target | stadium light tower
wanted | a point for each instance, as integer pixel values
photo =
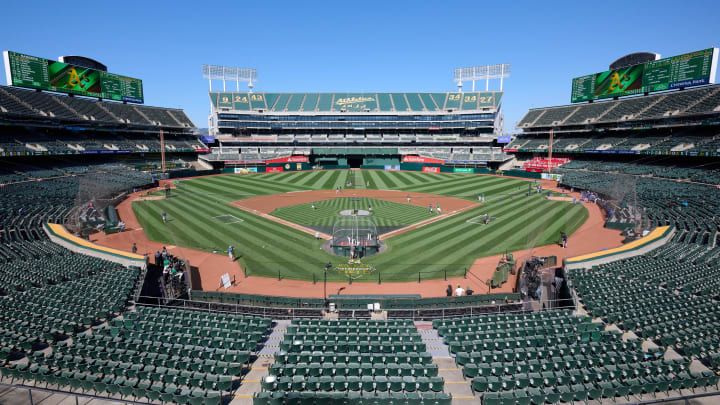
(224, 73)
(485, 72)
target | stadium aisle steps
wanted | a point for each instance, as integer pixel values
(455, 382)
(277, 334)
(434, 343)
(259, 369)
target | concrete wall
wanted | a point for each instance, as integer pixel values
(95, 253)
(631, 253)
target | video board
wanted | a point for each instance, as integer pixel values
(38, 73)
(690, 69)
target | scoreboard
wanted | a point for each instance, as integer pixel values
(45, 74)
(690, 69)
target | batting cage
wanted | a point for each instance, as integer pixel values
(355, 236)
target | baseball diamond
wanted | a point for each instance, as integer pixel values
(449, 242)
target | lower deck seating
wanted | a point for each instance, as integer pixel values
(378, 360)
(557, 356)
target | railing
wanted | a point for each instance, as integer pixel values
(434, 275)
(393, 313)
(377, 276)
(77, 396)
(139, 283)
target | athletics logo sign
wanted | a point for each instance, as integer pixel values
(354, 269)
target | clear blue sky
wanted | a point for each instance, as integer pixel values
(357, 46)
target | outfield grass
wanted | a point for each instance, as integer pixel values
(266, 246)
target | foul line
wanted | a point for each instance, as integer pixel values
(237, 220)
(282, 221)
(428, 221)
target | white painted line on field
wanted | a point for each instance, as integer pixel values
(236, 219)
(482, 221)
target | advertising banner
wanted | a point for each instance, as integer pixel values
(242, 162)
(420, 159)
(467, 162)
(463, 170)
(611, 152)
(207, 139)
(105, 152)
(391, 167)
(245, 170)
(202, 150)
(551, 176)
(510, 150)
(290, 159)
(431, 169)
(274, 169)
(503, 139)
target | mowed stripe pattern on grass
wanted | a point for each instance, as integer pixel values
(384, 213)
(454, 243)
(266, 246)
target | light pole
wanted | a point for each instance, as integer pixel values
(327, 267)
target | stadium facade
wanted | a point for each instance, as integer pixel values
(357, 129)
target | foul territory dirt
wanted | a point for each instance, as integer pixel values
(592, 236)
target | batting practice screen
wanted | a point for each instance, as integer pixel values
(690, 69)
(45, 74)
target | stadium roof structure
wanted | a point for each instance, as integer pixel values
(376, 103)
(44, 108)
(685, 105)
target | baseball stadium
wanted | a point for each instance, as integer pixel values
(360, 247)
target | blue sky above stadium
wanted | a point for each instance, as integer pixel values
(358, 46)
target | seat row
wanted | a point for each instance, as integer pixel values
(342, 347)
(354, 336)
(568, 339)
(564, 364)
(351, 398)
(597, 350)
(354, 369)
(589, 391)
(353, 383)
(112, 386)
(559, 316)
(282, 357)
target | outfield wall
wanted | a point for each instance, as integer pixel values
(410, 167)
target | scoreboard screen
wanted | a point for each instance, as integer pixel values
(690, 69)
(37, 73)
